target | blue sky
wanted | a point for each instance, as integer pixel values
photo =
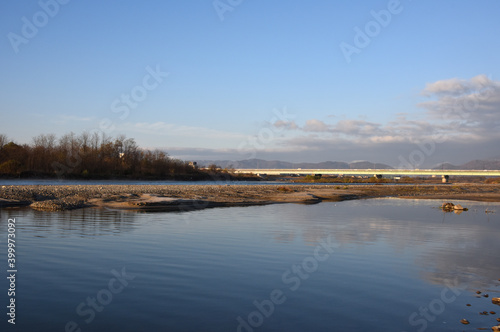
(225, 69)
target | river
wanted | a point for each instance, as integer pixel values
(364, 265)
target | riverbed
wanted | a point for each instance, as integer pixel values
(187, 197)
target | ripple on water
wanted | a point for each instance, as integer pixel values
(202, 270)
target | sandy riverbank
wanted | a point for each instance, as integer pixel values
(188, 197)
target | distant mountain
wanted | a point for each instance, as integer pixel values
(274, 164)
(250, 163)
(490, 164)
(474, 164)
(482, 164)
(446, 166)
(368, 165)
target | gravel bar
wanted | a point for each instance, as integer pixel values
(187, 197)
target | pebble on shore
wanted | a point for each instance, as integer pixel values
(59, 204)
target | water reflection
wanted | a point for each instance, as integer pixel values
(447, 245)
(82, 222)
(200, 270)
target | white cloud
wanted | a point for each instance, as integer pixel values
(456, 86)
(316, 126)
(77, 118)
(65, 119)
(450, 86)
(359, 128)
(470, 109)
(461, 120)
(460, 110)
(181, 131)
(461, 115)
(283, 124)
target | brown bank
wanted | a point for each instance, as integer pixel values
(189, 197)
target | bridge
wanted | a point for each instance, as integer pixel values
(372, 172)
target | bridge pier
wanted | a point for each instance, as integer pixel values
(445, 178)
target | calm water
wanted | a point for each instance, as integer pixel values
(52, 182)
(368, 265)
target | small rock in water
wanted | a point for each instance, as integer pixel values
(464, 321)
(447, 206)
(468, 304)
(492, 312)
(478, 292)
(458, 207)
(486, 295)
(495, 300)
(495, 328)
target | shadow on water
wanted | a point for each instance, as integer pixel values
(82, 222)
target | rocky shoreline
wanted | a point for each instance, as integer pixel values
(189, 197)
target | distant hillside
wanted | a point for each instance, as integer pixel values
(446, 166)
(491, 164)
(482, 164)
(474, 164)
(274, 164)
(367, 165)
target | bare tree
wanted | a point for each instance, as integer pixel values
(3, 140)
(84, 141)
(89, 154)
(42, 152)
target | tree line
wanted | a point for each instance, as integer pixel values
(90, 155)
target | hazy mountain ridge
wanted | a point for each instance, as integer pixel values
(276, 164)
(446, 166)
(490, 164)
